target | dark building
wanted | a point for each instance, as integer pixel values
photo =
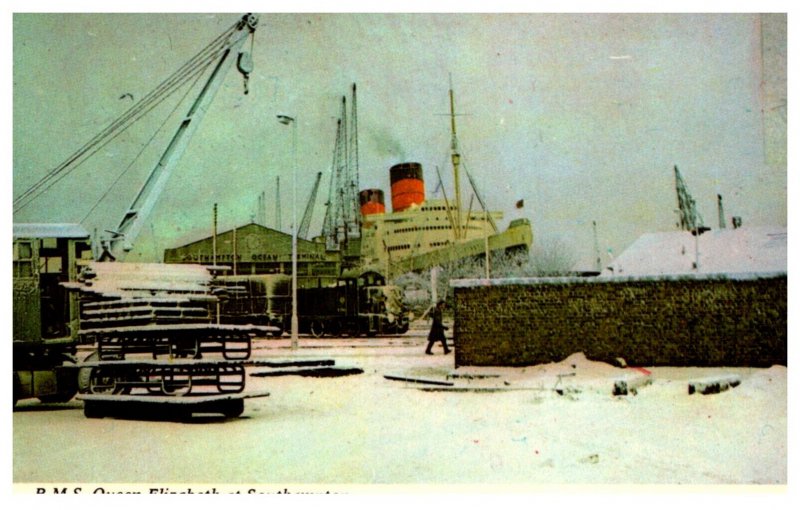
(255, 249)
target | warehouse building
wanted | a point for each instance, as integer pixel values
(255, 249)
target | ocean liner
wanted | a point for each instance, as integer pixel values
(420, 233)
(359, 234)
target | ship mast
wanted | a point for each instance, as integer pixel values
(456, 159)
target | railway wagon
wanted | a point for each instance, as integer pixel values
(253, 299)
(356, 303)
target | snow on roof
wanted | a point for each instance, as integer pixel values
(742, 250)
(49, 230)
(127, 279)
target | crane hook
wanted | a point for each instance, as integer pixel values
(245, 66)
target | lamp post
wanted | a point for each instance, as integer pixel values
(286, 120)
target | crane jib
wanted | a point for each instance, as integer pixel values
(146, 199)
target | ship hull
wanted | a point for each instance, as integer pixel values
(517, 238)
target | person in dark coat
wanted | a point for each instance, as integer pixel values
(437, 329)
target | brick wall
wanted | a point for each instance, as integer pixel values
(688, 320)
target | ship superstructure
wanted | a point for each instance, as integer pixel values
(420, 233)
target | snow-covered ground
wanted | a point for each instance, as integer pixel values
(495, 427)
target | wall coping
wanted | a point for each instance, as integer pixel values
(562, 280)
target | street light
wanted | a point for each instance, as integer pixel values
(286, 120)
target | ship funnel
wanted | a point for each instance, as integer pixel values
(408, 188)
(371, 202)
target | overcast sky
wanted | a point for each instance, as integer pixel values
(581, 116)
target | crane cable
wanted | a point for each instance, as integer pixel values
(144, 146)
(191, 68)
(90, 149)
(133, 114)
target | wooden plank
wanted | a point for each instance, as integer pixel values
(326, 371)
(149, 362)
(417, 380)
(475, 389)
(169, 399)
(169, 328)
(208, 362)
(291, 363)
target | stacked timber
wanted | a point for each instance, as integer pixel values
(120, 294)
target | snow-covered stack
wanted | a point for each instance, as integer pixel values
(115, 294)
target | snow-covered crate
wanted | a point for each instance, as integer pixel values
(714, 384)
(630, 384)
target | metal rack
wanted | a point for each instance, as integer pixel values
(158, 354)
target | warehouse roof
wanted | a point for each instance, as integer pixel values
(49, 230)
(742, 250)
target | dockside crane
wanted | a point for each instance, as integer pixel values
(353, 177)
(329, 225)
(343, 216)
(305, 223)
(689, 218)
(219, 56)
(228, 52)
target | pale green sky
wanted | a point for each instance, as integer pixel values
(582, 116)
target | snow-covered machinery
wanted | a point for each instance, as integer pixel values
(45, 316)
(157, 343)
